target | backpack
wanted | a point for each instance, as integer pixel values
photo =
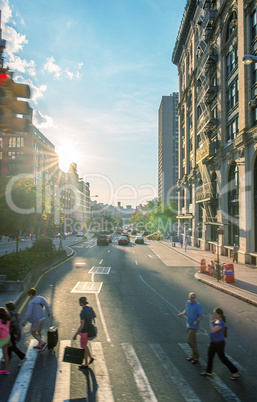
(15, 328)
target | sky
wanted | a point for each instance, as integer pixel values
(97, 71)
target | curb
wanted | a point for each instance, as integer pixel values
(213, 284)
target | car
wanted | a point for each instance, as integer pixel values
(123, 240)
(145, 233)
(80, 234)
(102, 240)
(155, 236)
(125, 234)
(109, 238)
(139, 240)
(134, 232)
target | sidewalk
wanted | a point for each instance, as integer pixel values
(245, 286)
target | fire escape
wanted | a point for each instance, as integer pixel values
(207, 119)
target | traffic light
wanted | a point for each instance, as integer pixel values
(15, 114)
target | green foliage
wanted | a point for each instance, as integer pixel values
(156, 216)
(43, 244)
(17, 266)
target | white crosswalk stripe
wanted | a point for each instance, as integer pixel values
(21, 386)
(62, 383)
(104, 386)
(104, 392)
(218, 384)
(186, 391)
(140, 377)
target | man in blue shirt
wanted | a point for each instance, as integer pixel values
(194, 313)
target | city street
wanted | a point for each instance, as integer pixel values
(140, 351)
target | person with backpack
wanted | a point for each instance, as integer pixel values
(5, 337)
(217, 345)
(15, 333)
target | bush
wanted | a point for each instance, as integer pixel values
(43, 244)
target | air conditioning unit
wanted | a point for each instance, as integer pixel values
(253, 103)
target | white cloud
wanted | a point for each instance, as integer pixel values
(22, 65)
(42, 121)
(52, 67)
(70, 75)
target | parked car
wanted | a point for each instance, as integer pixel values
(102, 240)
(139, 240)
(123, 240)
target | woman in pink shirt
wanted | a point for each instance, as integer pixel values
(4, 337)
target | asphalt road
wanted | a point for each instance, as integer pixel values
(141, 346)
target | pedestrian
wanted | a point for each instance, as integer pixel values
(194, 313)
(181, 242)
(83, 330)
(35, 314)
(217, 345)
(15, 333)
(235, 253)
(5, 337)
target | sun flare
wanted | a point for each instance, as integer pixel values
(67, 155)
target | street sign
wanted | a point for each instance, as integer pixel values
(220, 232)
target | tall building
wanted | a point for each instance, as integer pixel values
(218, 125)
(168, 148)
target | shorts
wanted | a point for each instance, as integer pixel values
(83, 340)
(38, 325)
(5, 341)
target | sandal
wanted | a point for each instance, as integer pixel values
(205, 374)
(194, 361)
(234, 377)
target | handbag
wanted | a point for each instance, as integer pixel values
(92, 329)
(226, 332)
(73, 355)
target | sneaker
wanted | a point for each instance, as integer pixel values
(4, 372)
(22, 362)
(37, 347)
(43, 346)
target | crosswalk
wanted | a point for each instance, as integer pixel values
(134, 365)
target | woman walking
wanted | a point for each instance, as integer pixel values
(217, 345)
(87, 314)
(4, 337)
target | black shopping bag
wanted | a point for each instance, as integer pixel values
(73, 355)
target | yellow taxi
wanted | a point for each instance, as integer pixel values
(155, 236)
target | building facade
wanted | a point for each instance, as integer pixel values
(218, 126)
(168, 148)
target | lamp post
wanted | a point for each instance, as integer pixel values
(249, 59)
(185, 232)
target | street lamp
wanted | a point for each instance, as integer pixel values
(249, 59)
(185, 232)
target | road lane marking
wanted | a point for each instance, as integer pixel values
(104, 391)
(150, 256)
(163, 298)
(136, 262)
(100, 270)
(143, 385)
(184, 388)
(102, 318)
(109, 251)
(62, 381)
(21, 385)
(101, 262)
(87, 287)
(218, 384)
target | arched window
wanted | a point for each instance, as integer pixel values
(231, 26)
(233, 204)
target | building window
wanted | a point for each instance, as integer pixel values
(231, 59)
(16, 142)
(232, 129)
(233, 203)
(231, 25)
(232, 95)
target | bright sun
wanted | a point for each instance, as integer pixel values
(67, 155)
